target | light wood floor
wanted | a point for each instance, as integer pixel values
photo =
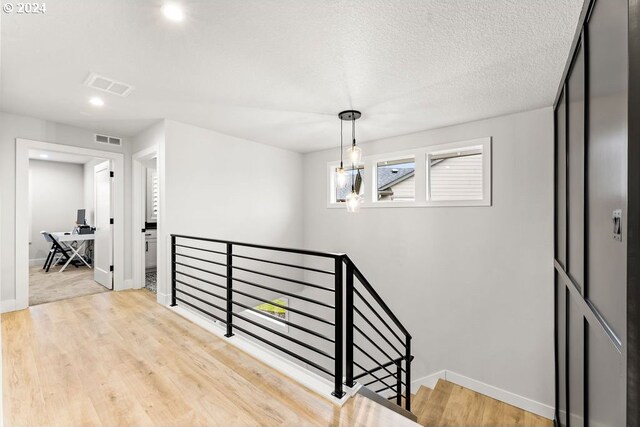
(54, 286)
(449, 404)
(119, 358)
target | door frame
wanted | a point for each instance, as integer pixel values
(22, 208)
(138, 209)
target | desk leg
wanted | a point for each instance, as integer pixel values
(75, 254)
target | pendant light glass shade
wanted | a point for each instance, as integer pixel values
(341, 177)
(353, 203)
(354, 154)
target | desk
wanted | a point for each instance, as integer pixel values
(62, 237)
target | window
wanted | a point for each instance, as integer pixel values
(353, 176)
(272, 312)
(456, 175)
(275, 310)
(451, 174)
(396, 180)
(152, 195)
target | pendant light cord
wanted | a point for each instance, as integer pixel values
(353, 165)
(341, 167)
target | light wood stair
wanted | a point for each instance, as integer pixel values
(449, 404)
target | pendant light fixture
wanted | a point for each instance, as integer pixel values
(354, 155)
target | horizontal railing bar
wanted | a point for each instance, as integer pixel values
(201, 290)
(202, 280)
(285, 336)
(364, 369)
(355, 309)
(370, 358)
(300, 282)
(378, 316)
(201, 249)
(284, 350)
(200, 269)
(286, 322)
(392, 388)
(317, 270)
(290, 294)
(271, 248)
(200, 299)
(372, 342)
(364, 282)
(293, 310)
(376, 369)
(375, 381)
(202, 259)
(201, 310)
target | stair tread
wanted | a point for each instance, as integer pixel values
(419, 400)
(454, 405)
(435, 404)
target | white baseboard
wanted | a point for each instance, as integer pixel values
(297, 373)
(429, 381)
(7, 306)
(164, 299)
(486, 389)
(128, 284)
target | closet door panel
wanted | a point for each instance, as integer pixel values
(606, 373)
(575, 173)
(561, 348)
(575, 368)
(561, 182)
(607, 158)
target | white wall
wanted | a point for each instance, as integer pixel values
(474, 285)
(152, 136)
(55, 193)
(14, 126)
(222, 187)
(229, 188)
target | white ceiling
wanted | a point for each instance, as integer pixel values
(279, 71)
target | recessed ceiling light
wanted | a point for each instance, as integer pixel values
(173, 12)
(44, 156)
(96, 102)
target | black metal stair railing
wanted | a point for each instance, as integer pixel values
(226, 281)
(383, 357)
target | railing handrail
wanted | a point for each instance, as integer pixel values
(342, 306)
(266, 247)
(363, 280)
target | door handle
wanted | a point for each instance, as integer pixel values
(617, 224)
(147, 248)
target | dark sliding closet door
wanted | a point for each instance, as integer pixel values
(591, 186)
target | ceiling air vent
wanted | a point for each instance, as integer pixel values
(105, 139)
(108, 85)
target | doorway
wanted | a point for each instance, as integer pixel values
(69, 242)
(146, 220)
(76, 199)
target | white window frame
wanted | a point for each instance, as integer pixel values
(331, 184)
(485, 145)
(422, 170)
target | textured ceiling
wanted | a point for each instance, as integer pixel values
(279, 71)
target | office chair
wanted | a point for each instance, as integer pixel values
(56, 249)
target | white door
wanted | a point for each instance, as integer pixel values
(102, 246)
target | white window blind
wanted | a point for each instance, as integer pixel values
(457, 178)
